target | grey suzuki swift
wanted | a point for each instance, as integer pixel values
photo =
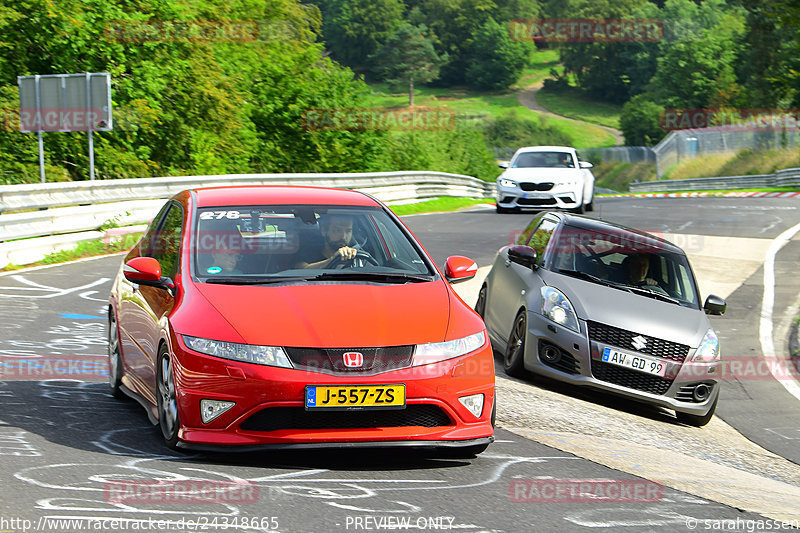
(600, 305)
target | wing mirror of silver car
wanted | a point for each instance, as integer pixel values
(523, 255)
(503, 164)
(585, 164)
(715, 305)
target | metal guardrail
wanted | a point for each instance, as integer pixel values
(789, 177)
(36, 219)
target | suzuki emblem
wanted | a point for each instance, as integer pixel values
(639, 342)
(353, 359)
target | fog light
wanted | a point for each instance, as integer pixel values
(474, 403)
(211, 409)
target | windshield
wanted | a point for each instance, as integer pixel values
(543, 160)
(271, 244)
(626, 260)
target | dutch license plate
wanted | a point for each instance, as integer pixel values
(356, 396)
(648, 365)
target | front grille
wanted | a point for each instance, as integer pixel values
(276, 418)
(623, 339)
(629, 378)
(567, 363)
(376, 360)
(536, 186)
(536, 201)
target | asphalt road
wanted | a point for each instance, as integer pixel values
(65, 445)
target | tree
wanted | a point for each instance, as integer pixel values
(355, 29)
(408, 56)
(640, 122)
(494, 60)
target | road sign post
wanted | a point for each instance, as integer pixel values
(65, 102)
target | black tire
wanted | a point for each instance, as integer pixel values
(501, 210)
(579, 210)
(513, 358)
(480, 305)
(698, 420)
(590, 205)
(168, 419)
(114, 358)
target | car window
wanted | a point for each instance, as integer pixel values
(543, 160)
(626, 259)
(166, 240)
(291, 241)
(539, 239)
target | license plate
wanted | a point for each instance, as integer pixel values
(648, 365)
(535, 195)
(330, 397)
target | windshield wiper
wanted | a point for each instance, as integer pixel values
(231, 280)
(588, 277)
(386, 277)
(653, 294)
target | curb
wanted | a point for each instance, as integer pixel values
(705, 195)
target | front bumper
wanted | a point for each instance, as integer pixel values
(260, 391)
(560, 196)
(581, 364)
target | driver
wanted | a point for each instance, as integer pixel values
(337, 235)
(637, 267)
(564, 160)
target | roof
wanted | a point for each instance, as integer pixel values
(593, 224)
(279, 194)
(546, 149)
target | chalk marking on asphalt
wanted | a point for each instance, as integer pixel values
(766, 324)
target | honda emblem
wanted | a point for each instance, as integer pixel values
(353, 359)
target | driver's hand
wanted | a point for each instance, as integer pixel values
(650, 281)
(345, 253)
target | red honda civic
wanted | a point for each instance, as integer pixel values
(297, 316)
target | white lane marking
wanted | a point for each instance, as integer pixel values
(766, 325)
(54, 291)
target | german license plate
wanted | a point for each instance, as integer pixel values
(648, 365)
(332, 397)
(535, 195)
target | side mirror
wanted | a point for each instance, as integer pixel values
(585, 164)
(503, 164)
(458, 268)
(715, 305)
(147, 271)
(523, 255)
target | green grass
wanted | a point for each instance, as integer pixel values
(436, 205)
(573, 104)
(84, 249)
(542, 61)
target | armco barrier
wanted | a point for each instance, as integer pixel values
(789, 177)
(53, 216)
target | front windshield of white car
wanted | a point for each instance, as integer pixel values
(272, 243)
(628, 260)
(543, 160)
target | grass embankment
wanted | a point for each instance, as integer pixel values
(84, 249)
(572, 103)
(743, 163)
(477, 106)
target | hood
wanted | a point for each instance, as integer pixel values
(632, 312)
(325, 314)
(536, 175)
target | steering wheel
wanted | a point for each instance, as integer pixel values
(338, 263)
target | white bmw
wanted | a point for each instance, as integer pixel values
(545, 177)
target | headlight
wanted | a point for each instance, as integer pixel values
(708, 352)
(425, 354)
(249, 353)
(557, 308)
(507, 183)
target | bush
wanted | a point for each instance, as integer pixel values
(510, 130)
(495, 61)
(640, 122)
